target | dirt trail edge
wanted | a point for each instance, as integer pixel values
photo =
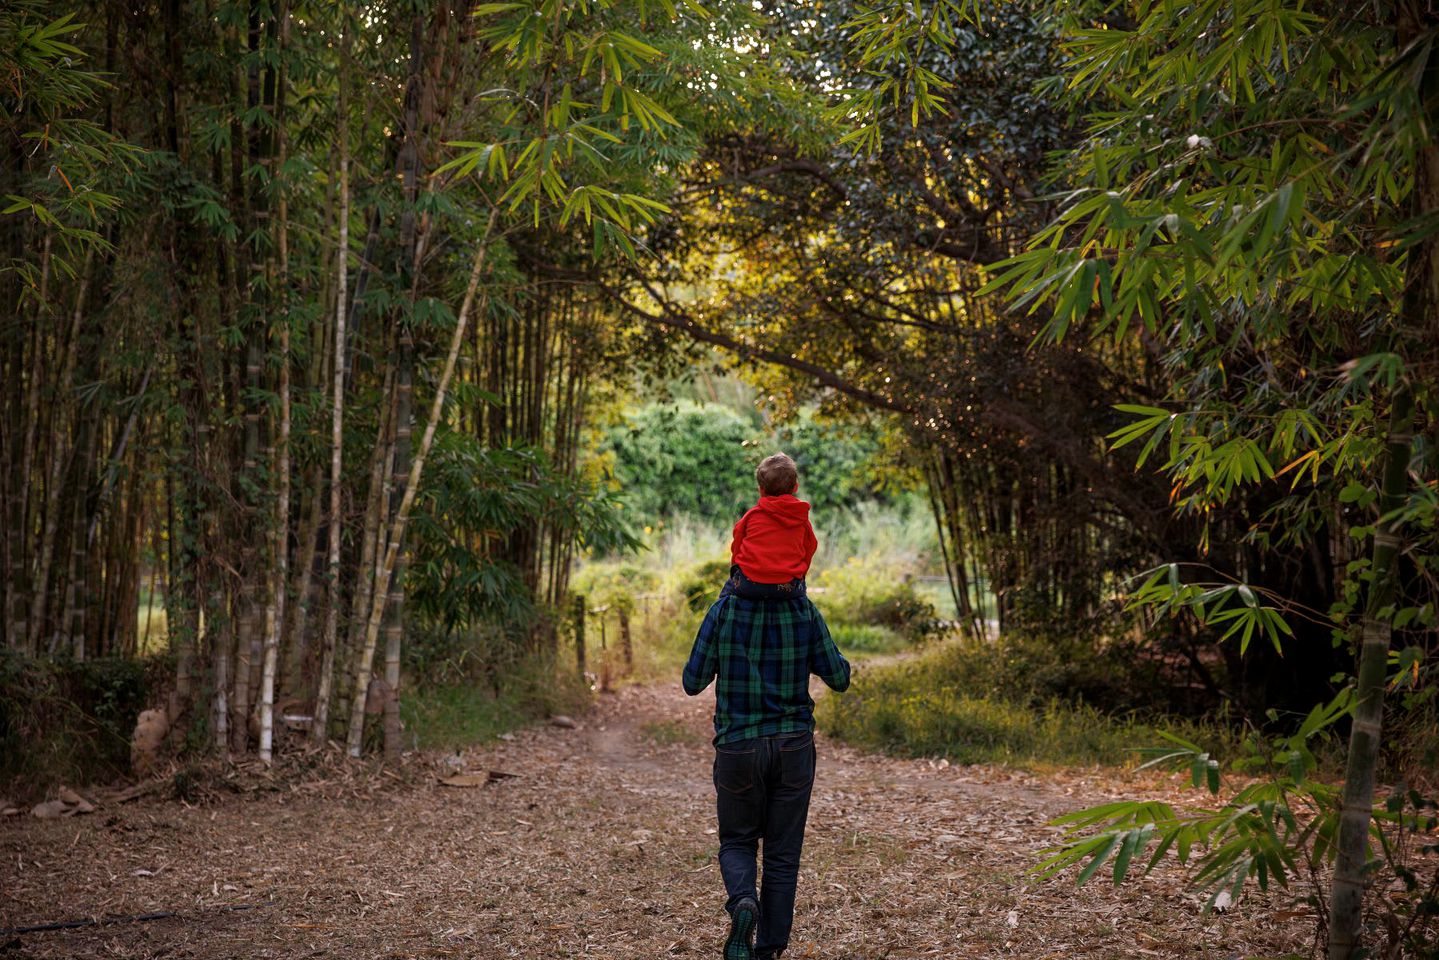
(603, 845)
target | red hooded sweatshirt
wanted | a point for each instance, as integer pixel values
(773, 542)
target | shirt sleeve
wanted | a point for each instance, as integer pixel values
(702, 665)
(736, 539)
(810, 544)
(825, 660)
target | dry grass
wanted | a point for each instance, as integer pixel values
(602, 846)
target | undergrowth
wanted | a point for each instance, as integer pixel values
(974, 703)
(67, 721)
(467, 687)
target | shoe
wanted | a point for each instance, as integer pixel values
(742, 922)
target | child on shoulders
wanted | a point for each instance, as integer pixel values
(773, 542)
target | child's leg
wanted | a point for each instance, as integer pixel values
(740, 792)
(743, 586)
(732, 584)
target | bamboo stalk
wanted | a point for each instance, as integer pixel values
(402, 516)
(1346, 898)
(59, 458)
(280, 570)
(320, 724)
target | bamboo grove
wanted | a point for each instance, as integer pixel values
(226, 197)
(277, 364)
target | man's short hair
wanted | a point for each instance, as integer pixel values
(777, 475)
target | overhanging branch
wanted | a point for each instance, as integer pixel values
(676, 319)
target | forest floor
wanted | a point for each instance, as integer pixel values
(602, 844)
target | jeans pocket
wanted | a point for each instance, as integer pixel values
(734, 770)
(796, 761)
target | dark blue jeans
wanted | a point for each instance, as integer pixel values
(742, 586)
(763, 787)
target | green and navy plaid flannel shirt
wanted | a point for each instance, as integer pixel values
(763, 652)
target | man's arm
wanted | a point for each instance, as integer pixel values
(825, 660)
(702, 664)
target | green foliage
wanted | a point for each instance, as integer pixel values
(701, 585)
(699, 460)
(1253, 200)
(63, 721)
(949, 703)
(866, 638)
(1259, 833)
(1036, 669)
(453, 715)
(595, 93)
(475, 496)
(1235, 606)
(1278, 825)
(873, 592)
(72, 165)
(840, 467)
(685, 459)
(893, 40)
(1248, 196)
(615, 584)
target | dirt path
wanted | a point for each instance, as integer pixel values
(602, 846)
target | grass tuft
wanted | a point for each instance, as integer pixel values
(455, 715)
(919, 708)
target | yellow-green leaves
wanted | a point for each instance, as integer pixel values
(1267, 831)
(560, 157)
(892, 39)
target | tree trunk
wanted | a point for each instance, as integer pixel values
(579, 619)
(59, 457)
(375, 524)
(1419, 315)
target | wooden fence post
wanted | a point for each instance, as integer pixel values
(626, 643)
(579, 617)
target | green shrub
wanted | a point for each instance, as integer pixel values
(702, 585)
(684, 458)
(951, 703)
(70, 721)
(1115, 676)
(614, 583)
(873, 592)
(862, 638)
(455, 714)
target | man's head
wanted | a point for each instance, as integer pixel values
(776, 476)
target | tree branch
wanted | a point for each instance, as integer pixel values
(676, 319)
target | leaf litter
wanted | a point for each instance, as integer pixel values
(596, 840)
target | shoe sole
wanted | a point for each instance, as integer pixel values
(742, 925)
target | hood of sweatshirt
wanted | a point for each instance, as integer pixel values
(787, 510)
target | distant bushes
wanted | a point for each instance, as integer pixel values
(684, 458)
(702, 584)
(873, 592)
(70, 721)
(1022, 699)
(865, 638)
